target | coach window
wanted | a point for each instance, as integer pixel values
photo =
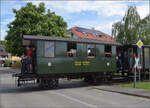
(91, 52)
(71, 49)
(49, 49)
(108, 51)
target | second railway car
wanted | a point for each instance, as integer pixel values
(127, 55)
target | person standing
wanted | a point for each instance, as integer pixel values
(29, 58)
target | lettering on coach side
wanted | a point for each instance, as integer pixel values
(79, 63)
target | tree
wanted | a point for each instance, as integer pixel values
(118, 32)
(2, 42)
(125, 31)
(33, 20)
(144, 30)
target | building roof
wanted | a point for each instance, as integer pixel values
(80, 40)
(92, 34)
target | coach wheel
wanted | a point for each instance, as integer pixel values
(48, 83)
(86, 79)
(92, 80)
(109, 77)
(44, 84)
(54, 83)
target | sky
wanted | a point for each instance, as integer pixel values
(89, 14)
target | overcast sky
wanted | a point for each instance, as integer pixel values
(98, 14)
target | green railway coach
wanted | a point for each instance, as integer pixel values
(56, 58)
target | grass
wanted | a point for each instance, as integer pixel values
(142, 85)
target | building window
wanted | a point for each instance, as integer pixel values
(49, 49)
(1, 50)
(108, 51)
(91, 51)
(71, 49)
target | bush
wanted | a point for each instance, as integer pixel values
(7, 63)
(18, 62)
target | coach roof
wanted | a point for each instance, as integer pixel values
(81, 40)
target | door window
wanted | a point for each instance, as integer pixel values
(71, 49)
(108, 51)
(91, 52)
(49, 49)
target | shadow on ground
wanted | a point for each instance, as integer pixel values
(9, 88)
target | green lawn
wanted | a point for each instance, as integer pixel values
(142, 85)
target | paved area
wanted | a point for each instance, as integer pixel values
(70, 94)
(125, 90)
(8, 70)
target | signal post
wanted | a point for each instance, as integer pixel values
(137, 66)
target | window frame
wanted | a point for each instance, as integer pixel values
(108, 53)
(87, 50)
(1, 50)
(68, 52)
(45, 49)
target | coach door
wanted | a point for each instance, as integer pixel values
(73, 58)
(88, 58)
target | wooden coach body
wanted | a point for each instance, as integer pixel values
(52, 55)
